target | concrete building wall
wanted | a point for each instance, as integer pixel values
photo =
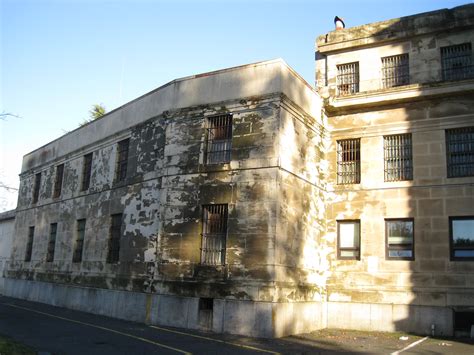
(7, 224)
(168, 181)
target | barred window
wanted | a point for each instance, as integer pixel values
(214, 233)
(52, 241)
(400, 239)
(58, 181)
(29, 243)
(460, 151)
(461, 232)
(36, 189)
(348, 161)
(86, 171)
(348, 239)
(122, 160)
(456, 62)
(395, 71)
(219, 139)
(114, 238)
(79, 244)
(348, 78)
(398, 157)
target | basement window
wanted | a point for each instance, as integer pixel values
(58, 181)
(122, 160)
(395, 71)
(348, 161)
(219, 139)
(460, 152)
(114, 239)
(348, 239)
(398, 157)
(29, 244)
(456, 62)
(36, 189)
(463, 322)
(206, 304)
(86, 171)
(53, 229)
(461, 237)
(348, 79)
(400, 239)
(214, 233)
(79, 244)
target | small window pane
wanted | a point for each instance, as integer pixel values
(456, 62)
(348, 239)
(398, 158)
(86, 171)
(462, 237)
(348, 161)
(460, 151)
(348, 79)
(400, 238)
(36, 189)
(58, 181)
(400, 253)
(349, 235)
(122, 160)
(219, 139)
(395, 71)
(214, 233)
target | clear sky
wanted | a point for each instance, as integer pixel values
(58, 57)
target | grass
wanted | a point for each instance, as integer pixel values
(10, 347)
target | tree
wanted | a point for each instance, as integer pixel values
(4, 115)
(96, 112)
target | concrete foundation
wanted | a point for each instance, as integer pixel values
(249, 318)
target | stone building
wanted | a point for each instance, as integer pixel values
(399, 99)
(245, 201)
(7, 225)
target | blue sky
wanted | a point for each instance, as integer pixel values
(59, 57)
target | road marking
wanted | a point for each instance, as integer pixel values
(216, 340)
(409, 346)
(100, 327)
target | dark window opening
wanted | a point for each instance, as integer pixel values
(400, 241)
(219, 139)
(114, 238)
(214, 233)
(461, 237)
(122, 160)
(86, 171)
(79, 244)
(206, 304)
(348, 161)
(456, 62)
(460, 151)
(58, 181)
(395, 71)
(51, 242)
(36, 189)
(348, 79)
(463, 321)
(398, 157)
(348, 239)
(29, 244)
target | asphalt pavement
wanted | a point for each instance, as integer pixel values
(59, 331)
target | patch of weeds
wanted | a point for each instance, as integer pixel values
(10, 347)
